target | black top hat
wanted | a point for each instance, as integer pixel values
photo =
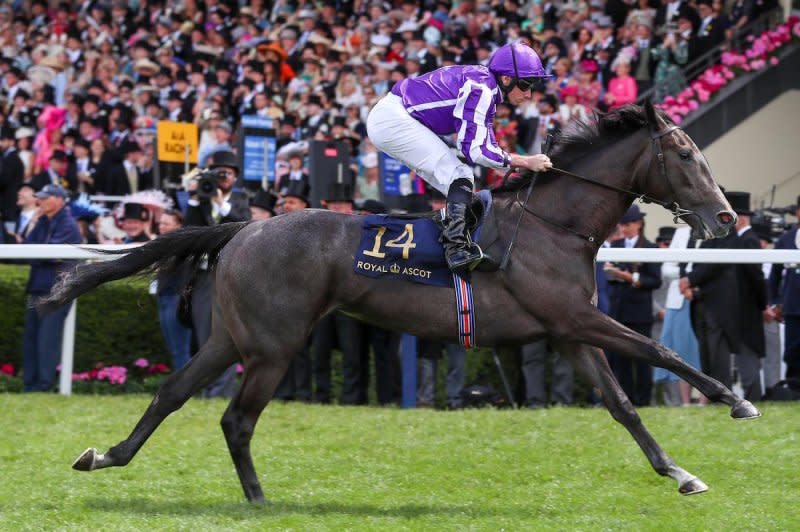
(265, 199)
(763, 230)
(298, 188)
(224, 158)
(7, 133)
(373, 207)
(339, 192)
(136, 211)
(59, 155)
(129, 146)
(633, 215)
(740, 201)
(665, 233)
(339, 121)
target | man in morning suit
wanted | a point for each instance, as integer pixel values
(631, 288)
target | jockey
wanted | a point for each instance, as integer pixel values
(407, 123)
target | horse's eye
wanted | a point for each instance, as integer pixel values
(684, 155)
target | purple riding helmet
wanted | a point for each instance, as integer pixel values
(521, 63)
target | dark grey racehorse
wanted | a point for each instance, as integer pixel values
(275, 279)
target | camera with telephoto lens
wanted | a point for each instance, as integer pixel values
(773, 219)
(208, 183)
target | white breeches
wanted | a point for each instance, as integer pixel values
(395, 132)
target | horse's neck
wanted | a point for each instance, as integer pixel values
(585, 207)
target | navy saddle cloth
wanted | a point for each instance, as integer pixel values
(407, 247)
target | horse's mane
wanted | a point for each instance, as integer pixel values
(578, 138)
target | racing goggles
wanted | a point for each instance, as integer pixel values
(526, 84)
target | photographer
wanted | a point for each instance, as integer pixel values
(213, 201)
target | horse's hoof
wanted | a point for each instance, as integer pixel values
(86, 461)
(692, 486)
(744, 410)
(260, 501)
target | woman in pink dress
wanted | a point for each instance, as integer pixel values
(589, 88)
(622, 88)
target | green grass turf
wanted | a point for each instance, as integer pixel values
(337, 468)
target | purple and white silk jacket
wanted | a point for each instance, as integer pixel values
(458, 99)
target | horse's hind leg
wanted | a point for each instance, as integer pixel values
(261, 377)
(592, 363)
(212, 359)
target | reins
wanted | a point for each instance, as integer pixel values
(677, 211)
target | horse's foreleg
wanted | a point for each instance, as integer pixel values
(592, 327)
(214, 357)
(592, 364)
(261, 377)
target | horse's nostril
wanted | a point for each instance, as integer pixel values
(726, 218)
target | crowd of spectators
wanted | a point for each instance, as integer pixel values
(84, 85)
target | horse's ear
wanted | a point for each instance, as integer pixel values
(650, 114)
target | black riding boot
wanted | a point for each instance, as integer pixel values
(461, 252)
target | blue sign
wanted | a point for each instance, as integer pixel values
(255, 121)
(258, 155)
(396, 177)
(258, 148)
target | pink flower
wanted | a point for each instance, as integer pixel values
(729, 74)
(773, 61)
(141, 363)
(7, 369)
(693, 105)
(677, 120)
(239, 369)
(750, 38)
(703, 96)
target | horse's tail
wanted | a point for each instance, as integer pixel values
(185, 248)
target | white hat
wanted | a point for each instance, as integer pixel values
(380, 39)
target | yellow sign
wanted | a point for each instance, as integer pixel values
(173, 138)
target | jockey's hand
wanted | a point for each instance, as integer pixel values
(536, 163)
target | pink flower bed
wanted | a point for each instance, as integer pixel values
(759, 55)
(119, 374)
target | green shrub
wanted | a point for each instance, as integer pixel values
(117, 322)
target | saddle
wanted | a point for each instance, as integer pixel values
(407, 246)
(482, 225)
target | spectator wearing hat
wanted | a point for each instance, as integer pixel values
(59, 172)
(226, 205)
(177, 335)
(262, 206)
(622, 88)
(12, 174)
(752, 301)
(295, 197)
(784, 298)
(222, 134)
(338, 329)
(717, 308)
(136, 223)
(711, 31)
(122, 175)
(631, 286)
(571, 110)
(670, 56)
(589, 87)
(667, 15)
(643, 66)
(42, 333)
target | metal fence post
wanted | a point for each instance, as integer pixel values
(68, 350)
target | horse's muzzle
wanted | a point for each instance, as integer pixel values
(725, 221)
